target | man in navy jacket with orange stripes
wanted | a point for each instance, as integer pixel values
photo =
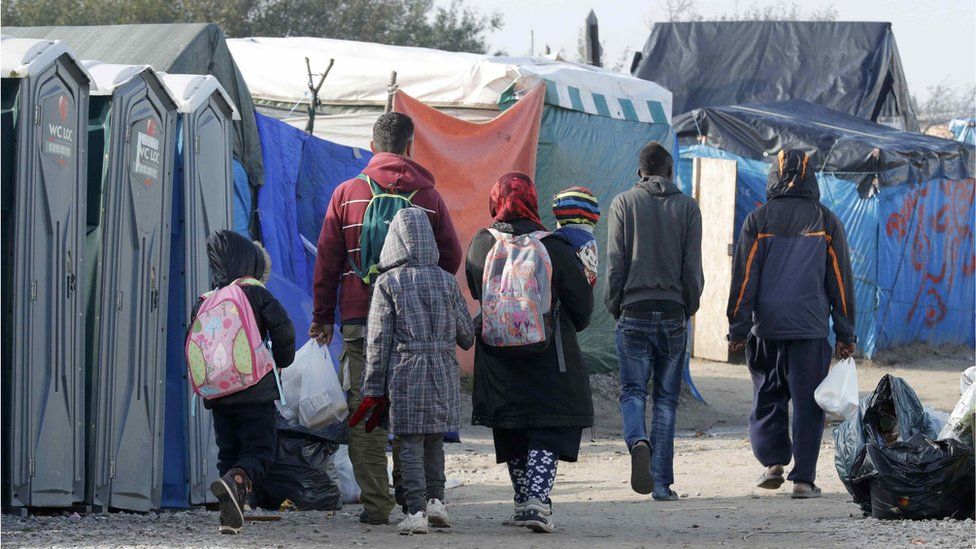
(791, 276)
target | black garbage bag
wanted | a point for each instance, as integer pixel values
(337, 433)
(300, 474)
(891, 413)
(918, 479)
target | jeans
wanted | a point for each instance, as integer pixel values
(651, 350)
(421, 469)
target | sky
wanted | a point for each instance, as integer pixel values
(936, 38)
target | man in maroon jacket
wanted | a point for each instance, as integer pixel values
(335, 281)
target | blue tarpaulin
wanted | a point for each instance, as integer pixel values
(300, 173)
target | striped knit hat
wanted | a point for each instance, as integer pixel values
(575, 205)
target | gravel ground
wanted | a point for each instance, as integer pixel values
(594, 506)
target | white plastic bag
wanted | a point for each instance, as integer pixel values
(347, 481)
(837, 394)
(311, 389)
(960, 423)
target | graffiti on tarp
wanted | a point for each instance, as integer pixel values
(945, 218)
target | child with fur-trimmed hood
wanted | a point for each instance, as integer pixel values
(244, 422)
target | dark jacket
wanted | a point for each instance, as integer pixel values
(792, 268)
(334, 279)
(654, 247)
(233, 256)
(533, 392)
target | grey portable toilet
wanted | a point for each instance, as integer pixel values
(202, 203)
(131, 286)
(44, 112)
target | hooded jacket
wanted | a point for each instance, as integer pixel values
(334, 280)
(231, 257)
(654, 237)
(792, 267)
(416, 319)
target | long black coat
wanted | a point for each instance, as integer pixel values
(516, 393)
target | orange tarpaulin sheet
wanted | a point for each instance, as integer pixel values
(467, 157)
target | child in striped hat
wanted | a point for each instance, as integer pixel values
(576, 211)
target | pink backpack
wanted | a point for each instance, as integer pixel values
(224, 350)
(516, 294)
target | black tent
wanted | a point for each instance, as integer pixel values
(192, 48)
(851, 67)
(872, 155)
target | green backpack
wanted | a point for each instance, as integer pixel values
(376, 223)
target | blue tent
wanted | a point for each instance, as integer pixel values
(906, 201)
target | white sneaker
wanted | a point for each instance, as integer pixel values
(537, 517)
(413, 524)
(516, 516)
(437, 514)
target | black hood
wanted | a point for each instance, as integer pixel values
(233, 256)
(657, 185)
(790, 176)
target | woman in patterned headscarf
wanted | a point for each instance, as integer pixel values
(538, 403)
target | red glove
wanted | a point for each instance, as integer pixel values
(374, 407)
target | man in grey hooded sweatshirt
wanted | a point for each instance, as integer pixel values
(654, 286)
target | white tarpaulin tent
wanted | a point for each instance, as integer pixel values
(465, 85)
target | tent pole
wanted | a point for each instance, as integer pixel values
(314, 88)
(390, 92)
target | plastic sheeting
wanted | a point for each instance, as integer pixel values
(911, 251)
(964, 129)
(853, 67)
(870, 155)
(466, 159)
(276, 73)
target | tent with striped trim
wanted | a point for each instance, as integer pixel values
(594, 121)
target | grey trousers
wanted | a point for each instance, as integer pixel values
(422, 469)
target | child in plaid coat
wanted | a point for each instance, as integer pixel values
(416, 319)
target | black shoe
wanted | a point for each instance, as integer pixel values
(670, 496)
(640, 468)
(230, 491)
(366, 519)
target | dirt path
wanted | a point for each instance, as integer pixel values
(594, 506)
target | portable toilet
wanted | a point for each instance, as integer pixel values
(136, 116)
(203, 188)
(44, 112)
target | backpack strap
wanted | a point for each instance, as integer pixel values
(243, 281)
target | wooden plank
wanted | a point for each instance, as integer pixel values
(714, 186)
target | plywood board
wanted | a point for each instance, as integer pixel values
(714, 186)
